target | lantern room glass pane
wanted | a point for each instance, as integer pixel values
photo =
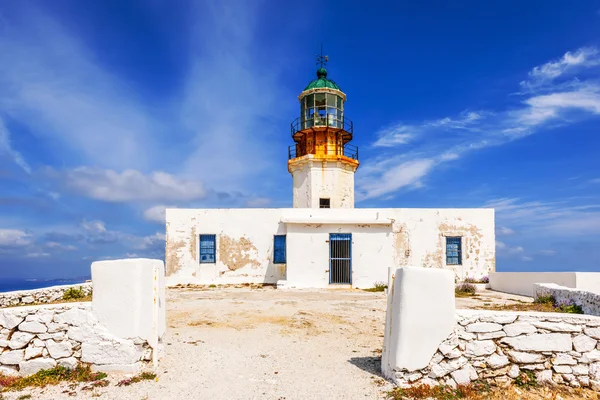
(310, 100)
(339, 102)
(331, 100)
(320, 100)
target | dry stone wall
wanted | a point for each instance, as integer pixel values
(40, 296)
(42, 337)
(588, 301)
(499, 346)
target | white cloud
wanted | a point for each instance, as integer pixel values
(15, 238)
(156, 213)
(147, 242)
(6, 148)
(37, 255)
(93, 226)
(527, 258)
(59, 246)
(394, 135)
(540, 75)
(381, 178)
(504, 231)
(129, 185)
(547, 252)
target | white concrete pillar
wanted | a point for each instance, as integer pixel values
(420, 316)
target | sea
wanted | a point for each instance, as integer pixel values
(8, 285)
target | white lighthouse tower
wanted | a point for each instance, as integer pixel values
(322, 161)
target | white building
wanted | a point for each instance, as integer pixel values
(323, 240)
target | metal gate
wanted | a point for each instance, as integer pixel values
(340, 258)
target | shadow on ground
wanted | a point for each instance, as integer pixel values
(371, 365)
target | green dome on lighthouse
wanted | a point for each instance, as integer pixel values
(322, 81)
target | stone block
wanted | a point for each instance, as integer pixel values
(544, 376)
(13, 357)
(525, 358)
(20, 340)
(490, 335)
(481, 327)
(557, 326)
(563, 359)
(59, 350)
(499, 318)
(497, 361)
(9, 319)
(519, 328)
(464, 375)
(480, 348)
(32, 327)
(540, 342)
(69, 363)
(33, 352)
(514, 371)
(31, 367)
(122, 352)
(583, 343)
(592, 332)
(562, 369)
(590, 357)
(581, 369)
(8, 371)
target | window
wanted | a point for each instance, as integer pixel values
(279, 249)
(324, 203)
(453, 251)
(207, 249)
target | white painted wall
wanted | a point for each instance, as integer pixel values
(382, 238)
(314, 179)
(128, 299)
(421, 316)
(521, 283)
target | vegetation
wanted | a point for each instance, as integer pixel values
(568, 306)
(74, 294)
(54, 376)
(540, 304)
(484, 279)
(526, 379)
(465, 289)
(144, 376)
(476, 390)
(378, 287)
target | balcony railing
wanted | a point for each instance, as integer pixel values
(348, 150)
(329, 120)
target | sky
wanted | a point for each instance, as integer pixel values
(111, 111)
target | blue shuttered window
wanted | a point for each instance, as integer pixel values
(453, 251)
(279, 249)
(207, 248)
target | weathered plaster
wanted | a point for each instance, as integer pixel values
(236, 254)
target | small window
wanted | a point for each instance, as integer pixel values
(453, 251)
(279, 249)
(207, 249)
(324, 203)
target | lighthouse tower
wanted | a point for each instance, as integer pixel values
(322, 161)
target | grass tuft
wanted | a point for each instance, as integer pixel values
(465, 289)
(54, 376)
(74, 294)
(379, 287)
(144, 376)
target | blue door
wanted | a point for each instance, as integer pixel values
(340, 258)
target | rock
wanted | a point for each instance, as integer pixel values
(117, 352)
(4, 343)
(564, 359)
(8, 371)
(10, 320)
(496, 361)
(525, 358)
(464, 375)
(592, 332)
(446, 367)
(27, 300)
(557, 326)
(69, 363)
(33, 352)
(464, 335)
(544, 376)
(60, 349)
(437, 357)
(584, 381)
(562, 369)
(590, 357)
(39, 343)
(594, 371)
(499, 319)
(569, 377)
(445, 349)
(33, 327)
(75, 316)
(514, 371)
(31, 367)
(533, 366)
(20, 340)
(583, 343)
(13, 357)
(428, 382)
(580, 369)
(595, 385)
(540, 342)
(413, 377)
(519, 328)
(490, 335)
(53, 327)
(43, 317)
(480, 348)
(480, 327)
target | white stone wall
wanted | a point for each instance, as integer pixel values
(245, 243)
(588, 301)
(315, 179)
(42, 337)
(497, 346)
(38, 296)
(521, 283)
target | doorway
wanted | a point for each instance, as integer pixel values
(340, 258)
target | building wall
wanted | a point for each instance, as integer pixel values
(244, 243)
(314, 179)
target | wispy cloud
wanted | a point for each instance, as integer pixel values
(127, 186)
(436, 142)
(504, 231)
(15, 238)
(7, 149)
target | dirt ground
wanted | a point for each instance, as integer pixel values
(243, 343)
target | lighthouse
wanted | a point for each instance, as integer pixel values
(322, 161)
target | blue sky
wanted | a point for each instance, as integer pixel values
(112, 110)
